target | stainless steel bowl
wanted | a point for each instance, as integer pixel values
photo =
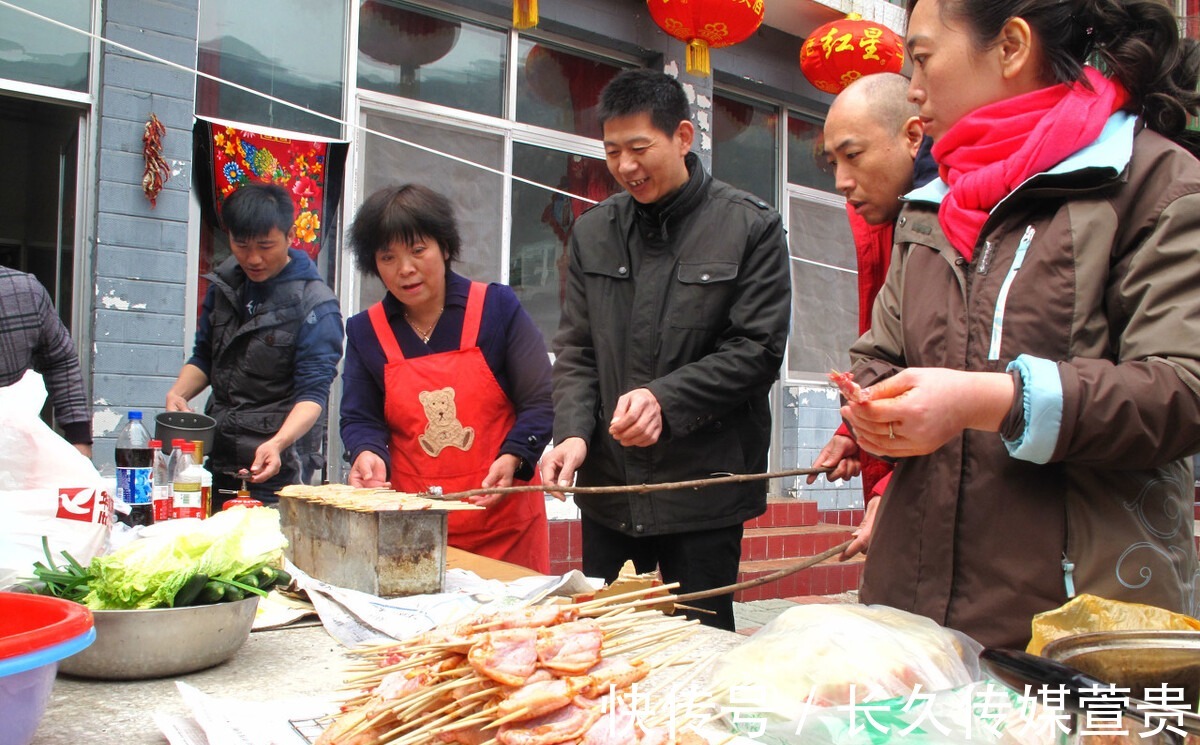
(1135, 659)
(139, 644)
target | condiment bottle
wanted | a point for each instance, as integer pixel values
(205, 479)
(187, 497)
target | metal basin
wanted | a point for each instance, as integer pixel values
(139, 644)
(1135, 659)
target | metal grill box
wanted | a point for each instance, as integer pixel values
(388, 553)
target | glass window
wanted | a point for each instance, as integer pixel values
(477, 195)
(38, 52)
(806, 155)
(427, 58)
(744, 146)
(824, 287)
(290, 49)
(560, 90)
(542, 222)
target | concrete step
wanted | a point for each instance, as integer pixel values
(786, 513)
(830, 577)
(759, 544)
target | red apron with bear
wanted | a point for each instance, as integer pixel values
(448, 418)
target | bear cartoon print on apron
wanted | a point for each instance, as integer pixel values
(448, 418)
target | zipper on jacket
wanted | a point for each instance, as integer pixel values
(998, 317)
(1068, 576)
(985, 260)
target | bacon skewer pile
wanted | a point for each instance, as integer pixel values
(535, 676)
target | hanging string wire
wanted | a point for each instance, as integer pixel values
(289, 104)
(329, 117)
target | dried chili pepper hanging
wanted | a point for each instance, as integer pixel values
(157, 169)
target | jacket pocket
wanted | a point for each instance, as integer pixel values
(701, 294)
(269, 353)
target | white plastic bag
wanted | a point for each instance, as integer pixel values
(47, 487)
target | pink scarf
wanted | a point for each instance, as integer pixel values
(992, 150)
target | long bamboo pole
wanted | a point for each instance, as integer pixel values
(632, 488)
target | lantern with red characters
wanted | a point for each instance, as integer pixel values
(705, 24)
(840, 52)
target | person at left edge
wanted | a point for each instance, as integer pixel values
(33, 337)
(268, 340)
(447, 381)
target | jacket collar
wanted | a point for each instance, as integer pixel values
(1108, 156)
(687, 198)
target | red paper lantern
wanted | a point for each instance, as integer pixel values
(705, 24)
(400, 37)
(840, 52)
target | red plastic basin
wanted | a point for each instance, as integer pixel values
(29, 623)
(35, 633)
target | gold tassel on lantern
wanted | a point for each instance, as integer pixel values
(525, 13)
(697, 57)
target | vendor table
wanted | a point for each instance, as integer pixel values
(288, 663)
(292, 662)
(297, 661)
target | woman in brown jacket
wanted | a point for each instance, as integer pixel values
(1041, 418)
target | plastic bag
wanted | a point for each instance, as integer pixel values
(812, 659)
(1087, 613)
(47, 487)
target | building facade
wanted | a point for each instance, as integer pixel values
(445, 92)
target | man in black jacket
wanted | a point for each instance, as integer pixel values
(268, 340)
(673, 329)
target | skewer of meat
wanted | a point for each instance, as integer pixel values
(850, 390)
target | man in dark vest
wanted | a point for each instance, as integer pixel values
(268, 340)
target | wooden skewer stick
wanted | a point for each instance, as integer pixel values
(636, 488)
(773, 576)
(612, 599)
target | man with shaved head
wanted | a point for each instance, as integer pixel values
(873, 138)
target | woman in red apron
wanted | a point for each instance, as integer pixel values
(447, 381)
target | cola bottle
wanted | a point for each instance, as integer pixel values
(135, 468)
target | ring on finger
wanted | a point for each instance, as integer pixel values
(891, 432)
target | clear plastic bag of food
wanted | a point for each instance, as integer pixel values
(816, 663)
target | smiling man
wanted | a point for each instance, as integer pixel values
(673, 329)
(269, 339)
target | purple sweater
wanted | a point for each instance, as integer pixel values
(511, 344)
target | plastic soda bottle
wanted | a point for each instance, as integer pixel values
(135, 467)
(162, 483)
(187, 499)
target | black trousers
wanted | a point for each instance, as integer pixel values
(698, 560)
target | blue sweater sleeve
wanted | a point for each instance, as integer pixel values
(361, 420)
(202, 348)
(527, 381)
(318, 350)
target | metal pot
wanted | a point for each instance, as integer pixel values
(140, 644)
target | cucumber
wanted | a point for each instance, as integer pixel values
(250, 579)
(214, 592)
(234, 594)
(266, 578)
(187, 594)
(282, 579)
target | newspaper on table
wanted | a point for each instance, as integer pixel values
(357, 618)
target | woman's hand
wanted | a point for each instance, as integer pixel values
(499, 475)
(840, 454)
(922, 408)
(369, 471)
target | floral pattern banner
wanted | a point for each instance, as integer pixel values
(309, 170)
